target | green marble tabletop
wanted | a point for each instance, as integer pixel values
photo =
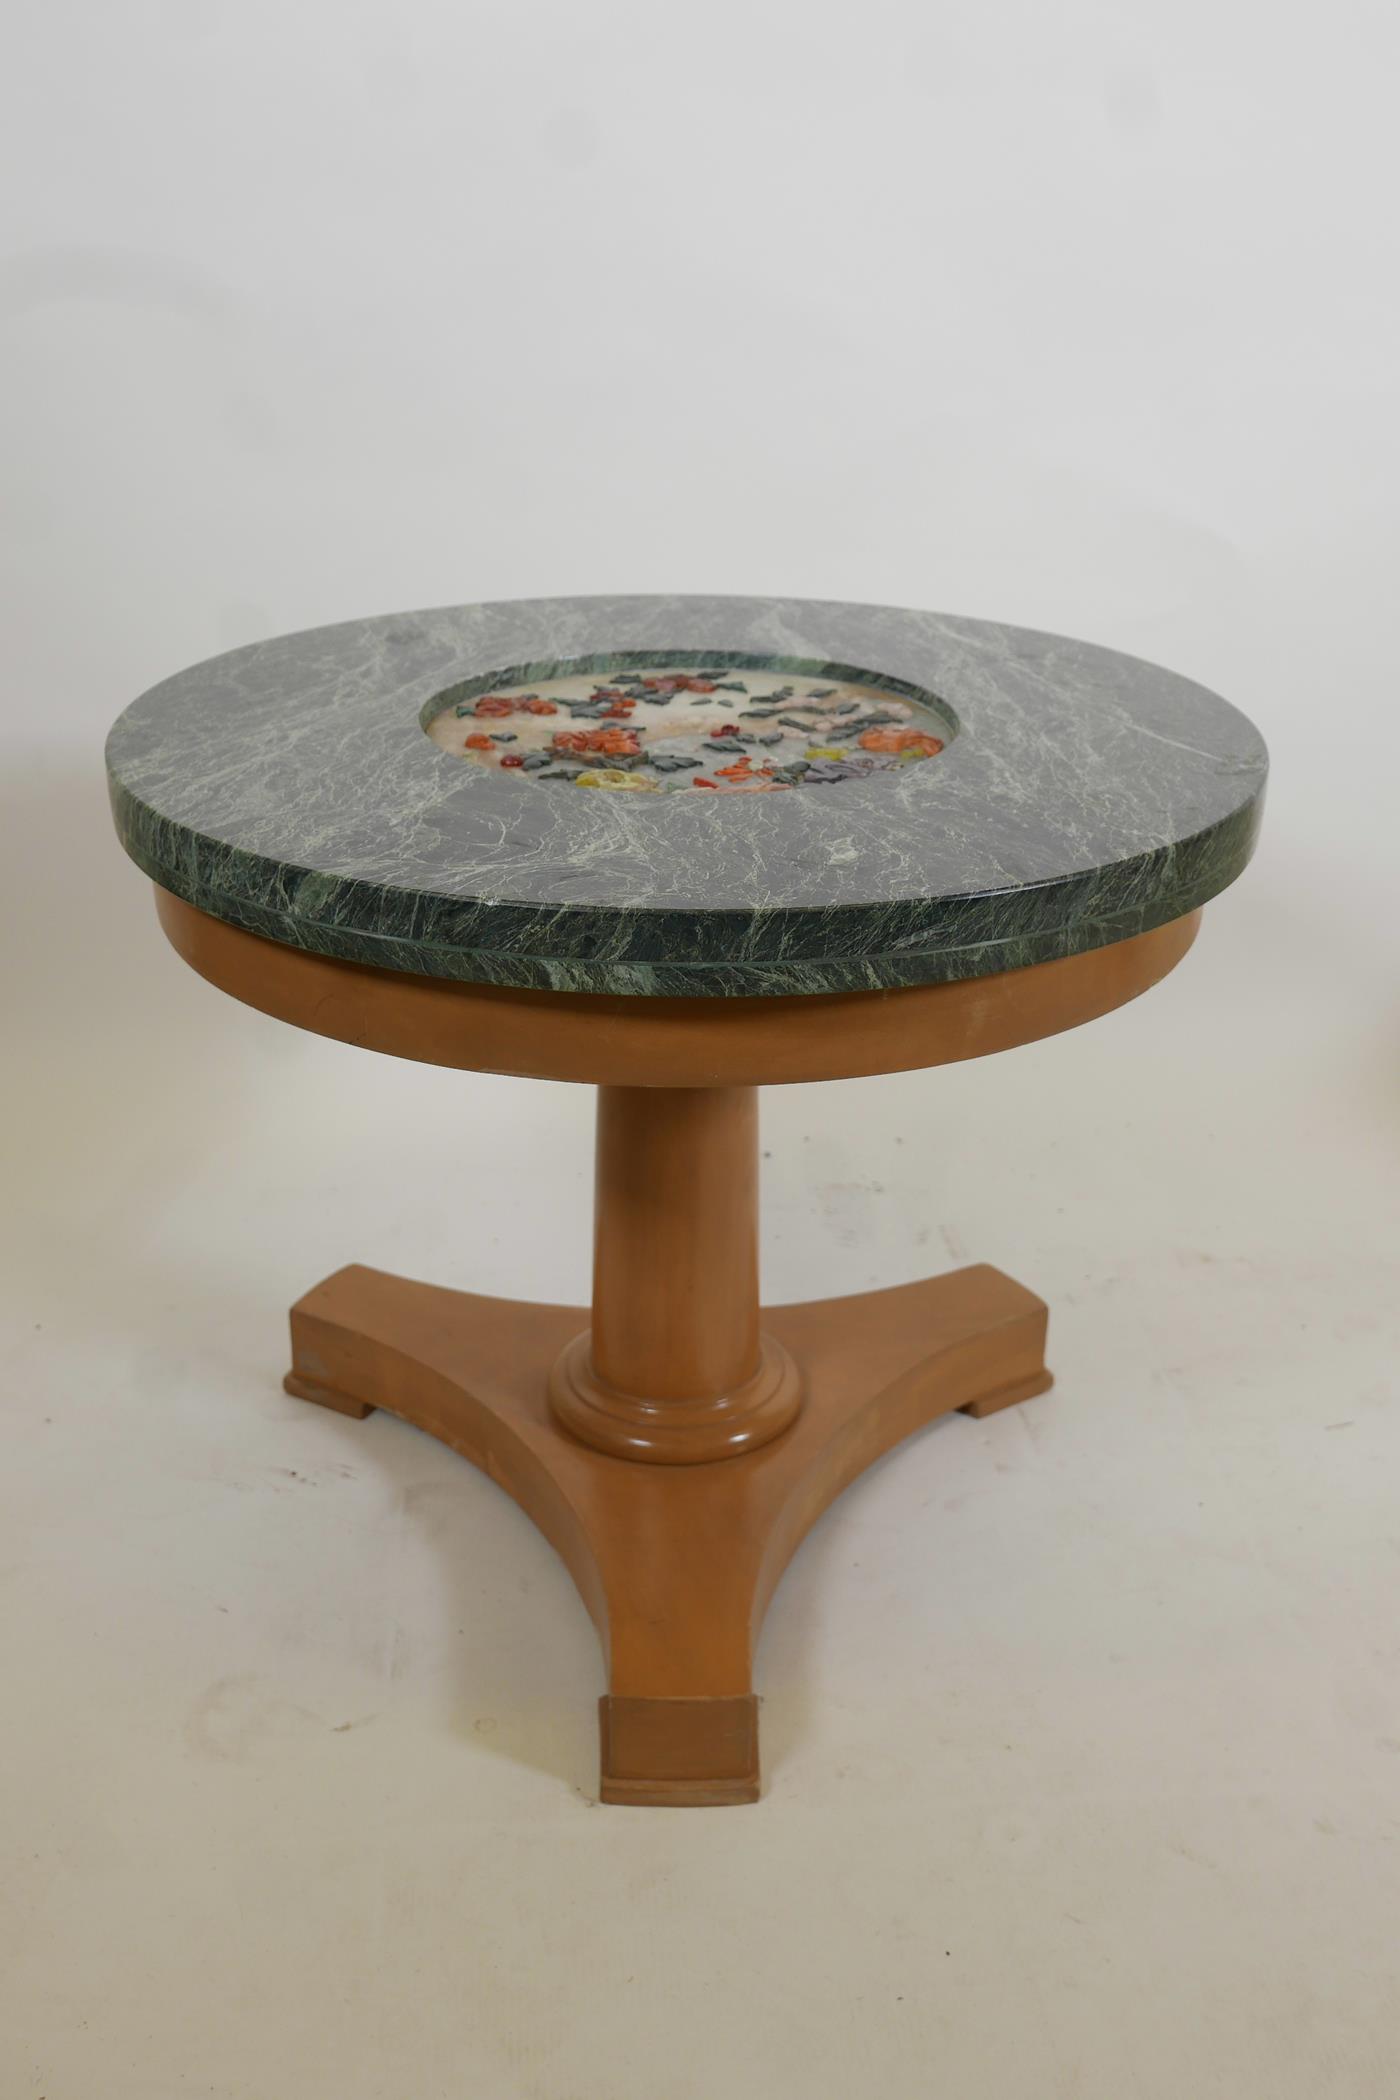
(685, 795)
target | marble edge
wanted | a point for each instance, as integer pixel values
(943, 963)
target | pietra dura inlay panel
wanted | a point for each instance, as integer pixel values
(742, 729)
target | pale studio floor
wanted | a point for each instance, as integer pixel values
(1081, 1726)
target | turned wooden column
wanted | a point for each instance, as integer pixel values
(675, 1240)
(675, 1369)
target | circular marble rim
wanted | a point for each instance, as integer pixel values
(1087, 797)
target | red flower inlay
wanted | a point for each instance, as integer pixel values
(901, 740)
(613, 743)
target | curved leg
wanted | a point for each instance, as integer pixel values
(676, 1561)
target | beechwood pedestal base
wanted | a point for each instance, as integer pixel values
(672, 1442)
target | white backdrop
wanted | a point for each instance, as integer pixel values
(1082, 1725)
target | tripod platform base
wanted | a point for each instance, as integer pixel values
(676, 1563)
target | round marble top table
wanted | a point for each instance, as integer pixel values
(678, 848)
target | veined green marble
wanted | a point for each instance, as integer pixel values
(289, 788)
